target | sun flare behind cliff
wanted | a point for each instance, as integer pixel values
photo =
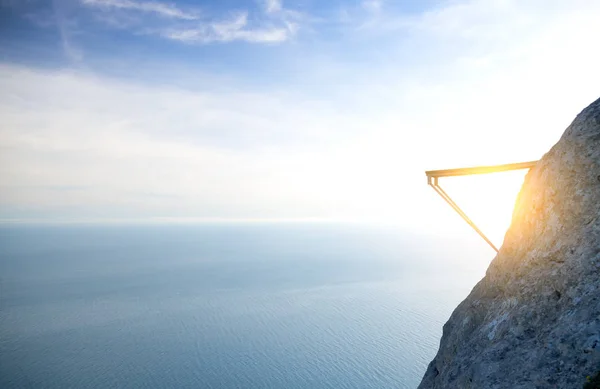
(487, 199)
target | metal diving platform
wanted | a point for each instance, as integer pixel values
(433, 177)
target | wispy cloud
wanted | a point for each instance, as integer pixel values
(271, 23)
(273, 6)
(277, 24)
(227, 31)
(120, 142)
(162, 9)
(64, 24)
(372, 6)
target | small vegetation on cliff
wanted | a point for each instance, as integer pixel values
(593, 382)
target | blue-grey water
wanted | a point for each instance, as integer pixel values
(226, 306)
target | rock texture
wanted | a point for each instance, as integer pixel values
(533, 321)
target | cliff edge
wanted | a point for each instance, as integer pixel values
(533, 321)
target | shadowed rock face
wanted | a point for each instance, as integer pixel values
(533, 321)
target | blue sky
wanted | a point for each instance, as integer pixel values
(134, 109)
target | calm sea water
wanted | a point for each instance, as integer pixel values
(226, 306)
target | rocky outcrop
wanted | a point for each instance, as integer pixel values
(533, 321)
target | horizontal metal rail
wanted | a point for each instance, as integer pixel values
(433, 180)
(480, 169)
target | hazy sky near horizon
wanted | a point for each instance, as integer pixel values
(133, 109)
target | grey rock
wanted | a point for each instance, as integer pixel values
(533, 321)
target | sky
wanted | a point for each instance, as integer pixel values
(282, 109)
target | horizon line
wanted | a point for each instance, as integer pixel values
(168, 220)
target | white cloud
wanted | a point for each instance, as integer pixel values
(275, 23)
(129, 151)
(162, 9)
(273, 6)
(61, 20)
(280, 25)
(372, 6)
(72, 52)
(235, 29)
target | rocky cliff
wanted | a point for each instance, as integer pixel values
(533, 321)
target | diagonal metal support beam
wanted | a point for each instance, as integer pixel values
(435, 185)
(433, 181)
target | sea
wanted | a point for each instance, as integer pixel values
(246, 305)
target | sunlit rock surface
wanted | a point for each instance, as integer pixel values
(534, 320)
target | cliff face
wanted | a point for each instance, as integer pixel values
(533, 321)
